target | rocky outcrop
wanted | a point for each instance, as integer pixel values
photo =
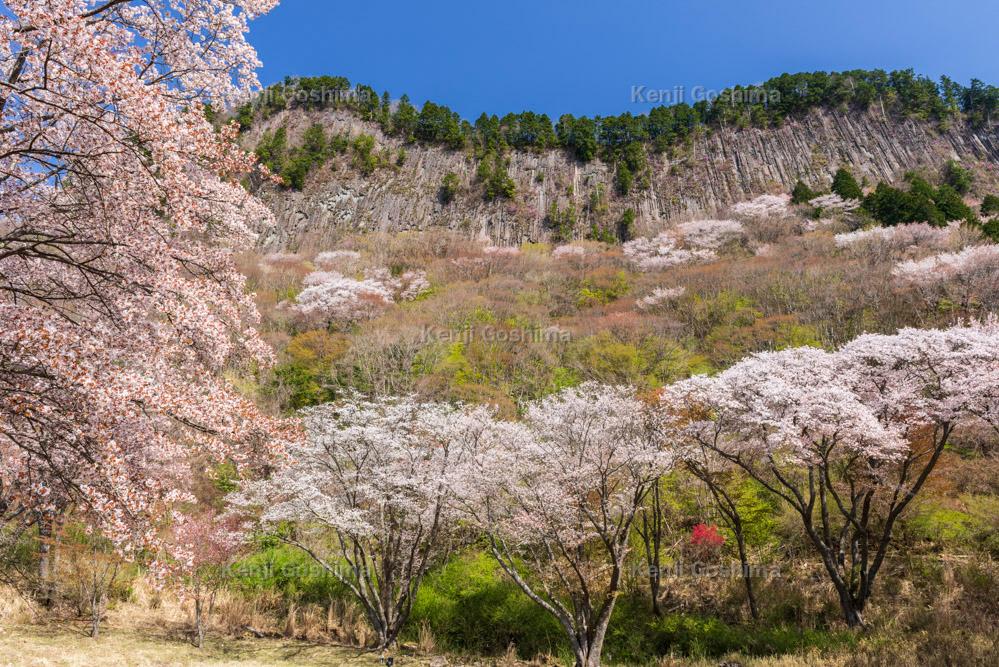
(717, 169)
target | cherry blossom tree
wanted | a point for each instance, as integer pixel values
(880, 243)
(710, 234)
(833, 204)
(333, 297)
(660, 296)
(847, 439)
(120, 206)
(204, 547)
(370, 495)
(662, 252)
(497, 252)
(557, 497)
(963, 277)
(337, 299)
(764, 206)
(568, 252)
(332, 258)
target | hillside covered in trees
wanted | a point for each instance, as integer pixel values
(329, 380)
(351, 160)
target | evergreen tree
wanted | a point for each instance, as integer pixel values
(626, 226)
(846, 186)
(957, 177)
(990, 205)
(449, 187)
(404, 119)
(802, 194)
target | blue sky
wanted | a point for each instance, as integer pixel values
(584, 57)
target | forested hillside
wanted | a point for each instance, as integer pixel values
(354, 166)
(325, 379)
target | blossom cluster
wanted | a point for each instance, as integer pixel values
(500, 251)
(870, 398)
(662, 252)
(332, 296)
(121, 304)
(973, 264)
(899, 236)
(661, 295)
(709, 234)
(764, 206)
(833, 204)
(568, 251)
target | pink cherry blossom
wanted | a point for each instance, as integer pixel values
(709, 234)
(854, 433)
(557, 496)
(764, 206)
(377, 476)
(121, 305)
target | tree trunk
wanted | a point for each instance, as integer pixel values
(654, 587)
(747, 576)
(95, 615)
(588, 652)
(851, 610)
(45, 532)
(199, 622)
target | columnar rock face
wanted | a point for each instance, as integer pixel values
(717, 169)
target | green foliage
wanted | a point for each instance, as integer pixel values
(921, 203)
(562, 222)
(470, 605)
(439, 125)
(364, 158)
(973, 527)
(602, 287)
(578, 136)
(271, 149)
(900, 93)
(991, 230)
(623, 179)
(244, 116)
(802, 194)
(606, 359)
(759, 510)
(626, 226)
(289, 571)
(294, 165)
(651, 362)
(990, 205)
(602, 234)
(846, 186)
(635, 636)
(450, 185)
(957, 177)
(405, 119)
(492, 173)
(632, 163)
(304, 377)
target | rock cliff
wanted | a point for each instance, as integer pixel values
(718, 168)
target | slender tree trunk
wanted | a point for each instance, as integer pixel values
(199, 622)
(95, 613)
(747, 576)
(45, 535)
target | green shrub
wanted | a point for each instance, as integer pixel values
(846, 186)
(802, 194)
(289, 571)
(990, 205)
(470, 606)
(449, 187)
(957, 177)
